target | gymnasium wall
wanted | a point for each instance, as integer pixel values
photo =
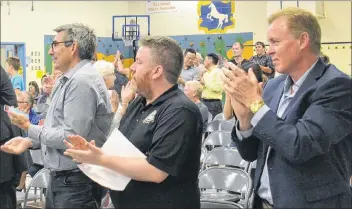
(336, 27)
(249, 17)
(24, 25)
(252, 17)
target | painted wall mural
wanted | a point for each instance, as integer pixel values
(217, 43)
(216, 16)
(106, 50)
(204, 44)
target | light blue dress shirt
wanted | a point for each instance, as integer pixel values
(79, 105)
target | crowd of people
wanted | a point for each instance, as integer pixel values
(297, 125)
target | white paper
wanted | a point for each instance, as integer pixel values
(116, 145)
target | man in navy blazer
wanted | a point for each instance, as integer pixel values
(299, 128)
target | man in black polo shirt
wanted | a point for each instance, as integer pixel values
(163, 124)
(237, 49)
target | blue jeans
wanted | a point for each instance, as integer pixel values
(70, 190)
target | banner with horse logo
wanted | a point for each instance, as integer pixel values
(216, 16)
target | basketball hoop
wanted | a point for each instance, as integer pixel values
(128, 41)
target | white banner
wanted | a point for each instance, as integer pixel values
(160, 6)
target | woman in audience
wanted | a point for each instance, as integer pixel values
(34, 90)
(106, 69)
(128, 92)
(193, 90)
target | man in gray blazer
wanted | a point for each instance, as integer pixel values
(299, 130)
(79, 105)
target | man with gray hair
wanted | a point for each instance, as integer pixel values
(25, 102)
(80, 106)
(164, 125)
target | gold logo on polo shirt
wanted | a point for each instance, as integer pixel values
(150, 118)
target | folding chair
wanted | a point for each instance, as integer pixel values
(203, 154)
(225, 184)
(37, 156)
(40, 180)
(219, 116)
(218, 204)
(218, 139)
(225, 157)
(210, 117)
(219, 125)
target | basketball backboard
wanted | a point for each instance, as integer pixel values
(130, 27)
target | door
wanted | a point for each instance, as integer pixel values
(9, 49)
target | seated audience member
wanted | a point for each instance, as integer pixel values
(34, 90)
(298, 129)
(121, 73)
(42, 84)
(263, 60)
(164, 125)
(48, 85)
(213, 85)
(193, 90)
(12, 67)
(25, 102)
(189, 72)
(106, 70)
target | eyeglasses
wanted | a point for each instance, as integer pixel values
(54, 43)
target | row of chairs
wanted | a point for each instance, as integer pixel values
(225, 178)
(225, 184)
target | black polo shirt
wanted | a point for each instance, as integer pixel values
(169, 132)
(241, 63)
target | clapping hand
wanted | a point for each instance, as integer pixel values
(83, 152)
(20, 120)
(128, 93)
(16, 145)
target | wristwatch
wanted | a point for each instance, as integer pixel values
(256, 105)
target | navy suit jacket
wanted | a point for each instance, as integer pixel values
(310, 162)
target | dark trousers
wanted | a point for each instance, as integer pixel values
(8, 194)
(70, 189)
(214, 106)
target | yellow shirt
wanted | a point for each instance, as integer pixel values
(213, 85)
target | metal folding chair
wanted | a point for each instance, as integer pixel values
(220, 125)
(218, 204)
(210, 117)
(225, 157)
(225, 184)
(40, 180)
(221, 116)
(218, 139)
